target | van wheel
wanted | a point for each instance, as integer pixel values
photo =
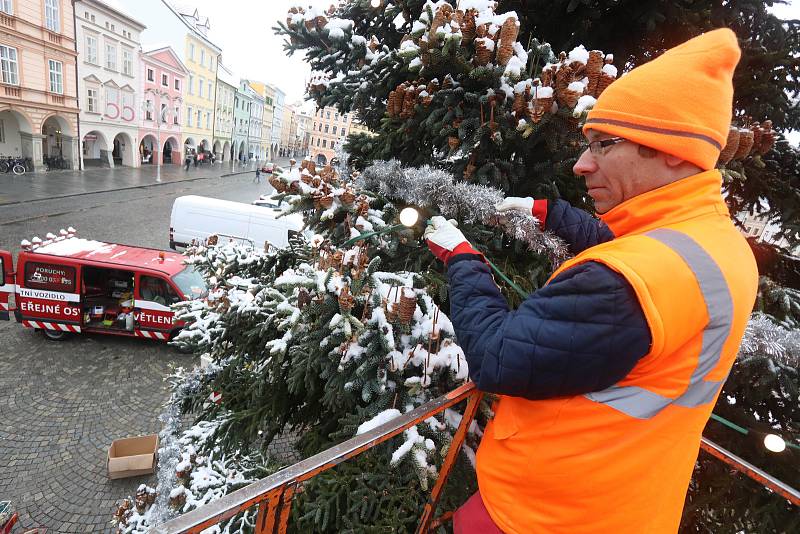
(55, 335)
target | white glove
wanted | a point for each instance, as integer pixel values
(521, 204)
(444, 238)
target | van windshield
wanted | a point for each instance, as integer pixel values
(191, 283)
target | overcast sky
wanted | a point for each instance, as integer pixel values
(243, 28)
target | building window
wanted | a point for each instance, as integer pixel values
(151, 76)
(148, 114)
(111, 57)
(85, 13)
(8, 64)
(191, 51)
(327, 114)
(344, 132)
(200, 85)
(320, 127)
(52, 16)
(92, 18)
(165, 80)
(177, 84)
(334, 130)
(326, 128)
(208, 120)
(202, 57)
(164, 114)
(127, 62)
(91, 49)
(211, 63)
(191, 84)
(210, 91)
(199, 119)
(189, 116)
(111, 96)
(56, 76)
(91, 100)
(175, 119)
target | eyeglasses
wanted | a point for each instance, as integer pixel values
(596, 147)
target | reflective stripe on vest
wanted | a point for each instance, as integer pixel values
(643, 404)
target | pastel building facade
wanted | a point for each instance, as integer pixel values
(241, 115)
(108, 84)
(38, 98)
(223, 113)
(163, 77)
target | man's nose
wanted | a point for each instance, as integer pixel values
(586, 164)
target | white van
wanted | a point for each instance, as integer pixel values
(196, 218)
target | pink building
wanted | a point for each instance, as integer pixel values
(162, 80)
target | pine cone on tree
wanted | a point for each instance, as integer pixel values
(606, 78)
(320, 22)
(547, 77)
(453, 141)
(348, 197)
(508, 36)
(373, 44)
(409, 100)
(303, 298)
(745, 144)
(468, 26)
(483, 52)
(594, 67)
(346, 300)
(767, 141)
(604, 81)
(731, 145)
(441, 17)
(407, 307)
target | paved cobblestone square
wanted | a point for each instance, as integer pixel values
(61, 406)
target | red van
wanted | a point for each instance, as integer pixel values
(69, 285)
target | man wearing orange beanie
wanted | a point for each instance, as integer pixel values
(607, 375)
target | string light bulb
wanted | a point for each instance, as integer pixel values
(375, 3)
(774, 443)
(409, 217)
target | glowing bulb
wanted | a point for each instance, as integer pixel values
(375, 3)
(774, 443)
(409, 217)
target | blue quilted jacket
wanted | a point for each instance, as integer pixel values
(582, 332)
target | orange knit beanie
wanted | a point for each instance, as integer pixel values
(679, 103)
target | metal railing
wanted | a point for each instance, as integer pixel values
(273, 495)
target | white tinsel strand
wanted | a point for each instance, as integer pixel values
(430, 187)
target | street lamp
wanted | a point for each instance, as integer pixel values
(158, 117)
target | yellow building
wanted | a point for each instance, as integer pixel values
(201, 85)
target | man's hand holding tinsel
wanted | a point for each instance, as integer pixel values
(526, 205)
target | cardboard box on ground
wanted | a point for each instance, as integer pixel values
(130, 457)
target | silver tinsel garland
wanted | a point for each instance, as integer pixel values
(429, 187)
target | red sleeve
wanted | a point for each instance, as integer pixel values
(540, 211)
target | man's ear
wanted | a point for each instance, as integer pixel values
(673, 161)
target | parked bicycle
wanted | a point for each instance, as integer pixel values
(16, 165)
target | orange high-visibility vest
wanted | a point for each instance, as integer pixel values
(620, 460)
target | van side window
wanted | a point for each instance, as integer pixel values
(50, 277)
(2, 273)
(157, 290)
